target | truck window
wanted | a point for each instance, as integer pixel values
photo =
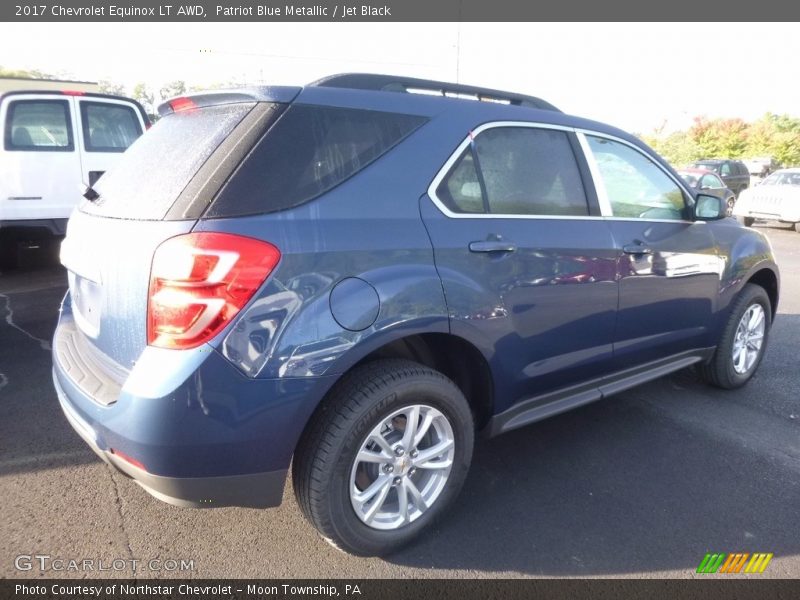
(38, 126)
(108, 127)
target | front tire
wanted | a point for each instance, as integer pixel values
(743, 341)
(384, 456)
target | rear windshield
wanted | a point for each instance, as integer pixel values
(308, 151)
(153, 172)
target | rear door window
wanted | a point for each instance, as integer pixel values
(523, 171)
(38, 126)
(108, 127)
(148, 179)
(308, 151)
(530, 171)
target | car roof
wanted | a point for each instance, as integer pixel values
(457, 103)
(696, 171)
(396, 83)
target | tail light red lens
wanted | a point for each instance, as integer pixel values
(131, 461)
(199, 282)
(179, 104)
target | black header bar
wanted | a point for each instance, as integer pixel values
(397, 11)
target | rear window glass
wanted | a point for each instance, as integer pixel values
(308, 151)
(39, 125)
(108, 127)
(150, 176)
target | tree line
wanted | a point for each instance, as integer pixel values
(772, 135)
(147, 97)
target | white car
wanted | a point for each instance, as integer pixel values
(54, 145)
(777, 198)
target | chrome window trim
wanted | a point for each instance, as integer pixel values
(442, 173)
(597, 177)
(599, 184)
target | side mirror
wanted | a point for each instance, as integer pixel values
(709, 208)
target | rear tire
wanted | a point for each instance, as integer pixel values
(729, 369)
(332, 481)
(747, 221)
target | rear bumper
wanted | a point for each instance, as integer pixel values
(257, 490)
(201, 433)
(760, 213)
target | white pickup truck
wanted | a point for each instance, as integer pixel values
(55, 144)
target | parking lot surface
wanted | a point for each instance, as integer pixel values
(639, 485)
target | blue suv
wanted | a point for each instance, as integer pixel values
(356, 277)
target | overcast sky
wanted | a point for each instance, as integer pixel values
(636, 76)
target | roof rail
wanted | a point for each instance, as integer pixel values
(396, 83)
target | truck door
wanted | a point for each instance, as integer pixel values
(107, 127)
(40, 160)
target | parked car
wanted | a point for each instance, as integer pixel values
(709, 183)
(776, 198)
(55, 143)
(760, 167)
(356, 278)
(734, 173)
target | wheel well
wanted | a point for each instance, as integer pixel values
(454, 357)
(767, 280)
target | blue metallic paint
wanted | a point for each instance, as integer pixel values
(543, 318)
(216, 422)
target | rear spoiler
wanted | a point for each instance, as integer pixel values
(282, 94)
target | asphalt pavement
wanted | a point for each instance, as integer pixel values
(639, 485)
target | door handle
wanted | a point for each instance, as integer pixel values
(492, 246)
(637, 249)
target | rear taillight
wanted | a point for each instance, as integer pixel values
(199, 282)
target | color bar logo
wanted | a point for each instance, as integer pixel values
(735, 563)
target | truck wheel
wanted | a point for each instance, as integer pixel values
(8, 254)
(747, 221)
(743, 341)
(384, 456)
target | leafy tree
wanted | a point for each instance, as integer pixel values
(142, 94)
(719, 137)
(110, 87)
(785, 143)
(172, 89)
(25, 73)
(777, 136)
(677, 147)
